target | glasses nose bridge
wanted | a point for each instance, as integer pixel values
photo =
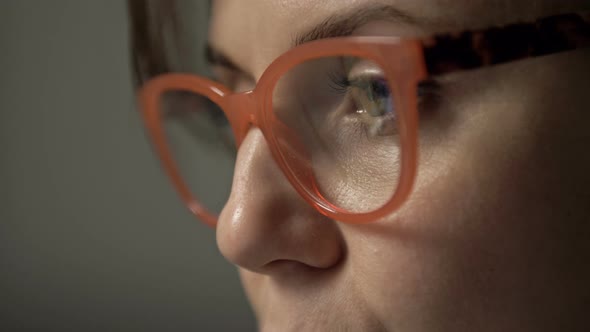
(243, 109)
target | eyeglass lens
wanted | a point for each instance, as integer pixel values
(336, 123)
(343, 120)
(202, 145)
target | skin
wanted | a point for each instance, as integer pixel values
(495, 235)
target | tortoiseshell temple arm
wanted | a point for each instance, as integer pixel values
(475, 49)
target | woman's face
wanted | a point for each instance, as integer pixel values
(495, 235)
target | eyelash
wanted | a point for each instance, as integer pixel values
(428, 91)
(338, 83)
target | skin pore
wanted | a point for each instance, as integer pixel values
(496, 234)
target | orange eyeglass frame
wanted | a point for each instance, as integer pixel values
(405, 64)
(397, 58)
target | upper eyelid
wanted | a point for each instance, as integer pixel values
(364, 70)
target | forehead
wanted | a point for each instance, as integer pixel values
(253, 33)
(250, 32)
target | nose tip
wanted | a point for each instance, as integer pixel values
(277, 240)
(266, 227)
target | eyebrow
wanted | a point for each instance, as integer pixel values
(342, 25)
(339, 25)
(217, 58)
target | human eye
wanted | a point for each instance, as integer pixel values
(189, 117)
(369, 96)
(185, 104)
(373, 103)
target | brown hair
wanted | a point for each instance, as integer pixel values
(148, 33)
(166, 36)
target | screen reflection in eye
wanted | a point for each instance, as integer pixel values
(374, 104)
(369, 94)
(371, 99)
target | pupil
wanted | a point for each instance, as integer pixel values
(379, 89)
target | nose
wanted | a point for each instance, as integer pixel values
(266, 227)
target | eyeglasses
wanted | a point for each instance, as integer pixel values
(339, 116)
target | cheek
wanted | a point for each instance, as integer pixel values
(446, 250)
(256, 291)
(493, 215)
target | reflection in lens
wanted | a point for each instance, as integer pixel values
(337, 115)
(202, 146)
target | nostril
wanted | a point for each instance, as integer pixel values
(285, 265)
(286, 269)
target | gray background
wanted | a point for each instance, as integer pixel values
(92, 236)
